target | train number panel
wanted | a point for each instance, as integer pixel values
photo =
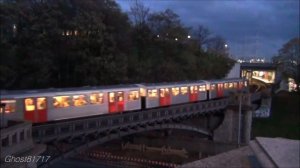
(116, 102)
(35, 109)
(164, 97)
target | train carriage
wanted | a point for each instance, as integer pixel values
(55, 104)
(46, 105)
(165, 94)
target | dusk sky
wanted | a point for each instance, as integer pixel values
(252, 28)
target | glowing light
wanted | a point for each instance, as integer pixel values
(188, 36)
(176, 39)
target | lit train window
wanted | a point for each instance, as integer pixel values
(152, 93)
(184, 90)
(207, 86)
(213, 87)
(143, 92)
(111, 96)
(41, 103)
(235, 84)
(193, 89)
(225, 85)
(97, 98)
(10, 106)
(29, 104)
(230, 85)
(61, 101)
(175, 91)
(202, 88)
(79, 100)
(164, 92)
(245, 83)
(120, 96)
(133, 95)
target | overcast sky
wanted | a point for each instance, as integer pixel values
(252, 28)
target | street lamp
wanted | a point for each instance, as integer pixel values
(188, 36)
(225, 45)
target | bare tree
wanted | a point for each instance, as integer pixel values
(217, 45)
(202, 35)
(139, 12)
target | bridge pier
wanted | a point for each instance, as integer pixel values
(236, 126)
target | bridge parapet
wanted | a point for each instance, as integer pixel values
(96, 125)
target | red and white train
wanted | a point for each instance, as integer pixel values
(45, 105)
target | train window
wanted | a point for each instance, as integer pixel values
(202, 88)
(41, 103)
(152, 93)
(225, 85)
(10, 106)
(230, 85)
(207, 86)
(133, 95)
(61, 101)
(164, 92)
(143, 92)
(175, 91)
(79, 100)
(120, 96)
(111, 97)
(235, 84)
(97, 98)
(212, 86)
(29, 104)
(184, 90)
(193, 89)
(245, 83)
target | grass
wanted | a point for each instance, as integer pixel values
(284, 120)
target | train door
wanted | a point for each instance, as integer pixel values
(116, 102)
(220, 90)
(193, 93)
(164, 97)
(35, 109)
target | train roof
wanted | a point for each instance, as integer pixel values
(171, 83)
(57, 91)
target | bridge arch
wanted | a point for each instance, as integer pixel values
(121, 133)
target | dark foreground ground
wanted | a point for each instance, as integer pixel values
(284, 121)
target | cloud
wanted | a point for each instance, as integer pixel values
(251, 27)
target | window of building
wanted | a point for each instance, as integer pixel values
(41, 103)
(29, 104)
(175, 91)
(61, 101)
(111, 97)
(133, 95)
(10, 106)
(79, 100)
(152, 93)
(183, 90)
(97, 98)
(202, 88)
(120, 96)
